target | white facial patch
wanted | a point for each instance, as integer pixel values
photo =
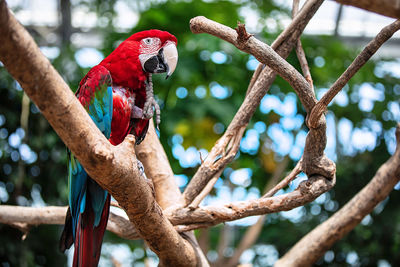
(149, 45)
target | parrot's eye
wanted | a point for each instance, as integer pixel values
(148, 41)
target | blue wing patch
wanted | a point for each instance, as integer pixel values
(100, 108)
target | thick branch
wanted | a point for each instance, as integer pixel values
(390, 8)
(151, 153)
(114, 168)
(355, 66)
(156, 165)
(311, 247)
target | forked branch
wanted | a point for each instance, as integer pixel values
(313, 246)
(262, 79)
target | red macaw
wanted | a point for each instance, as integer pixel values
(118, 95)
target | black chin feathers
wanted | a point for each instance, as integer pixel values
(156, 64)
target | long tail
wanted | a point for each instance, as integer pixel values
(88, 238)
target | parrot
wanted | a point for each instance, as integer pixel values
(118, 95)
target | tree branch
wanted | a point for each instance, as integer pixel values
(355, 66)
(33, 216)
(312, 246)
(114, 168)
(261, 51)
(151, 153)
(23, 218)
(306, 192)
(262, 79)
(301, 56)
(156, 165)
(184, 219)
(390, 8)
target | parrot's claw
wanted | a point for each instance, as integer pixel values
(136, 113)
(148, 111)
(141, 169)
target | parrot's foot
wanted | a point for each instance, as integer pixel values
(148, 111)
(150, 103)
(136, 113)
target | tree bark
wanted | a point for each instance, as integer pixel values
(312, 246)
(151, 153)
(156, 165)
(390, 8)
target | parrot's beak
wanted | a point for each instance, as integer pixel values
(165, 60)
(170, 58)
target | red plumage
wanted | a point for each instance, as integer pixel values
(123, 63)
(128, 81)
(124, 72)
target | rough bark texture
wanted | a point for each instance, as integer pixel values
(156, 165)
(311, 247)
(390, 8)
(151, 153)
(114, 168)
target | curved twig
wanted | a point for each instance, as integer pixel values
(358, 62)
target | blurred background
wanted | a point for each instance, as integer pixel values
(198, 103)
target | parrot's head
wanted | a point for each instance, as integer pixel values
(157, 51)
(145, 52)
